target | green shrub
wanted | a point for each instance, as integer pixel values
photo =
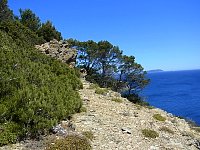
(166, 129)
(149, 133)
(36, 91)
(88, 134)
(9, 133)
(83, 109)
(136, 99)
(102, 91)
(20, 34)
(150, 107)
(71, 142)
(93, 86)
(159, 117)
(117, 100)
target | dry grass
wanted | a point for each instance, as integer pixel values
(71, 142)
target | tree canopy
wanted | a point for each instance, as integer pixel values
(107, 66)
(5, 12)
(29, 19)
(49, 32)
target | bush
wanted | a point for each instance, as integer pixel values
(71, 142)
(166, 129)
(88, 134)
(36, 90)
(136, 99)
(93, 86)
(8, 133)
(150, 133)
(102, 91)
(117, 100)
(20, 34)
(150, 107)
(83, 109)
(159, 117)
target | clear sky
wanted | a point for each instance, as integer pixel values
(161, 34)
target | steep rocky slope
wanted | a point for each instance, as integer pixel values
(119, 125)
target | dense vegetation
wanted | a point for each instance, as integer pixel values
(36, 91)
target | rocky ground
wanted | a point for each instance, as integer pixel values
(119, 126)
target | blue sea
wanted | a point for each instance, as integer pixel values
(177, 92)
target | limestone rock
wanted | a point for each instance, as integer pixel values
(59, 50)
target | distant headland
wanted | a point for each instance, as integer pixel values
(155, 70)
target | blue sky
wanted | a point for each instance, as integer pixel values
(161, 34)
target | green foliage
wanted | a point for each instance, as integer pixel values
(93, 86)
(71, 142)
(150, 133)
(49, 32)
(88, 134)
(36, 90)
(132, 74)
(159, 117)
(135, 98)
(5, 13)
(102, 91)
(166, 129)
(29, 19)
(103, 61)
(83, 109)
(117, 100)
(150, 107)
(9, 133)
(20, 34)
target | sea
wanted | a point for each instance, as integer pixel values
(177, 92)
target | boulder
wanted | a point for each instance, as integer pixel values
(59, 50)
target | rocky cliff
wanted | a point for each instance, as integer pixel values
(59, 50)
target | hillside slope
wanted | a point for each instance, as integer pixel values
(118, 126)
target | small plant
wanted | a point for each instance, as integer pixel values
(93, 86)
(166, 129)
(88, 134)
(8, 133)
(150, 133)
(136, 99)
(117, 100)
(71, 142)
(150, 107)
(196, 129)
(159, 117)
(83, 109)
(101, 91)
